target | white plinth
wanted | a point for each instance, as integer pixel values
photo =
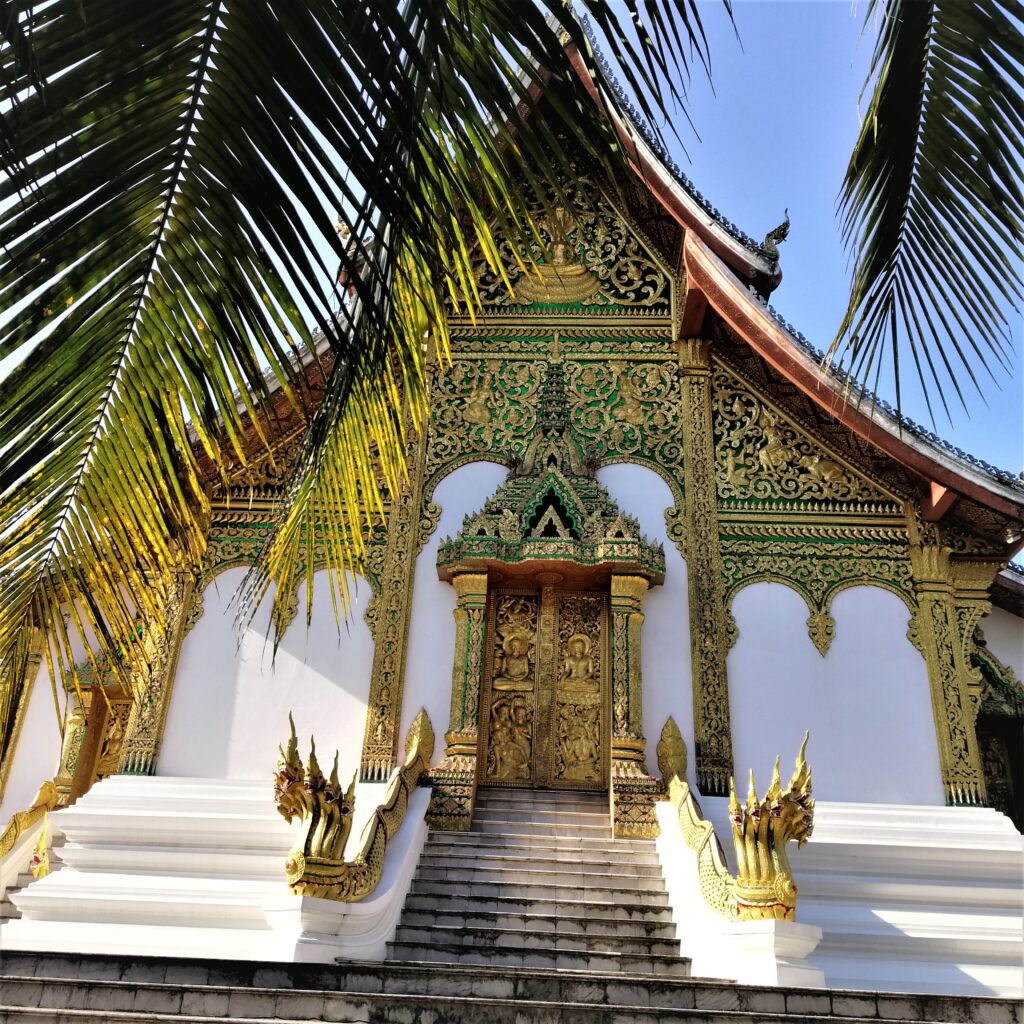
(195, 867)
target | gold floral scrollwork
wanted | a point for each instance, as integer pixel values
(317, 867)
(761, 456)
(821, 628)
(764, 888)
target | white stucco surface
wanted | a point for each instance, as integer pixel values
(1004, 634)
(866, 704)
(665, 639)
(37, 754)
(428, 666)
(231, 697)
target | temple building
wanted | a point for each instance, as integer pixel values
(650, 545)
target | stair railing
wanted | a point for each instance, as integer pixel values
(316, 867)
(764, 888)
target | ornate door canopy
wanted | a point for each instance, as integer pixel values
(552, 515)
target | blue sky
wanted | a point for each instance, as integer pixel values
(776, 131)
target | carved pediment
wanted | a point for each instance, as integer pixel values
(589, 259)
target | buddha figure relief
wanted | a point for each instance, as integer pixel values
(578, 669)
(513, 669)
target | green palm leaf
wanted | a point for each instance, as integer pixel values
(169, 231)
(932, 204)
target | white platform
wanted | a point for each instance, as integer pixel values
(194, 867)
(910, 898)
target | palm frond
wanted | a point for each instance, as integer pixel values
(168, 222)
(932, 204)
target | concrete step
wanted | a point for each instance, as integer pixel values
(594, 803)
(599, 962)
(562, 875)
(533, 892)
(615, 923)
(444, 900)
(538, 861)
(540, 816)
(245, 991)
(495, 936)
(519, 840)
(503, 826)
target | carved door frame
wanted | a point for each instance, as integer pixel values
(547, 650)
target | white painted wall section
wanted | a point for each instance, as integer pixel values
(665, 638)
(231, 697)
(1004, 634)
(431, 650)
(866, 703)
(37, 752)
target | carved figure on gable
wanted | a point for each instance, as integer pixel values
(775, 453)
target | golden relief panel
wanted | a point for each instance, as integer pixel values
(579, 695)
(623, 408)
(588, 258)
(546, 695)
(482, 406)
(761, 456)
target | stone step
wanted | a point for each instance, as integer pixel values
(600, 962)
(251, 991)
(540, 816)
(442, 889)
(586, 844)
(615, 923)
(504, 827)
(539, 861)
(561, 875)
(494, 936)
(595, 803)
(597, 910)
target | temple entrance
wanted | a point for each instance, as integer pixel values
(545, 703)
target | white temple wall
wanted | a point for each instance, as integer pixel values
(1004, 635)
(431, 646)
(665, 638)
(866, 703)
(36, 756)
(231, 697)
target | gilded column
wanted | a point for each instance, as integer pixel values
(950, 676)
(634, 792)
(392, 607)
(161, 639)
(708, 619)
(628, 750)
(467, 671)
(454, 782)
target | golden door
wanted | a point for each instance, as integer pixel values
(545, 698)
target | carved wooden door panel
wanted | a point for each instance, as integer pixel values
(545, 695)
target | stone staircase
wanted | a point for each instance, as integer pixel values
(535, 917)
(540, 882)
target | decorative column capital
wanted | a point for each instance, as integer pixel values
(930, 565)
(694, 355)
(470, 588)
(629, 589)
